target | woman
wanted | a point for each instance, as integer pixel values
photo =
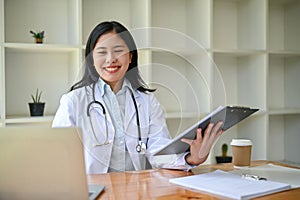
(122, 122)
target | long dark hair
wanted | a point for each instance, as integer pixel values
(91, 76)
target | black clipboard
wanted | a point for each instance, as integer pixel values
(230, 115)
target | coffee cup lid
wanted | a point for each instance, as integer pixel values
(240, 142)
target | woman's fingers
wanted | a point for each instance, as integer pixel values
(211, 132)
(198, 138)
(188, 141)
(212, 128)
(201, 146)
(217, 130)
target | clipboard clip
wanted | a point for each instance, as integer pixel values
(253, 177)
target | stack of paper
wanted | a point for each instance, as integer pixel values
(230, 185)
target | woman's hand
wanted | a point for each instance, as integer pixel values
(200, 147)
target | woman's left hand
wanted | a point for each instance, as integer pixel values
(200, 147)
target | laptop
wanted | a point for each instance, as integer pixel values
(43, 163)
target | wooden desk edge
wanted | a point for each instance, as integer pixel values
(229, 166)
(118, 184)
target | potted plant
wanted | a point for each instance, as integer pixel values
(224, 158)
(36, 107)
(39, 36)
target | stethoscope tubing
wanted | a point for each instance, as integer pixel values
(141, 146)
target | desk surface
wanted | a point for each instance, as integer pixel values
(154, 184)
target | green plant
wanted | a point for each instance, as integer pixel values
(224, 150)
(37, 97)
(38, 34)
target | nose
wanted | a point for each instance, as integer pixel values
(111, 57)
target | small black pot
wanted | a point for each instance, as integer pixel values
(36, 109)
(221, 159)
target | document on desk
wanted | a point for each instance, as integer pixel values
(274, 173)
(230, 185)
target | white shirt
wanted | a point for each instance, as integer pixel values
(120, 159)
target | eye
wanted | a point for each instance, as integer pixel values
(101, 52)
(119, 50)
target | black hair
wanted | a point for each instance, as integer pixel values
(91, 76)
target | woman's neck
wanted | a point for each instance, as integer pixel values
(116, 86)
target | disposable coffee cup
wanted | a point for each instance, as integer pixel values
(241, 152)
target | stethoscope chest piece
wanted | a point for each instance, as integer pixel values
(141, 147)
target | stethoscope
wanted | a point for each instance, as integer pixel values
(140, 147)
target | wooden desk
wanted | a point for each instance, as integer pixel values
(154, 184)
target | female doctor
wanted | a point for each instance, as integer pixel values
(122, 122)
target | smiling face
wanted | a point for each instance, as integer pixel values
(111, 59)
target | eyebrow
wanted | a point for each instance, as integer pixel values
(116, 46)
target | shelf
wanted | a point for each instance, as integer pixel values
(27, 119)
(63, 28)
(242, 74)
(182, 18)
(284, 137)
(190, 94)
(284, 111)
(283, 76)
(239, 24)
(237, 52)
(51, 72)
(284, 54)
(25, 47)
(131, 13)
(284, 29)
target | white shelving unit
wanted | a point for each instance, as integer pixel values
(199, 54)
(282, 92)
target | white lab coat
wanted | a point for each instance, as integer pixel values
(72, 112)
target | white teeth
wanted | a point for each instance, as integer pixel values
(111, 68)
